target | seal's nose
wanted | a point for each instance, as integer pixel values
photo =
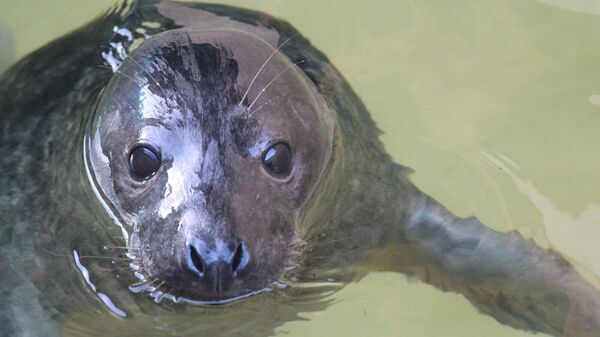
(217, 266)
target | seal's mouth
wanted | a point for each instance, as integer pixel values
(159, 291)
(215, 276)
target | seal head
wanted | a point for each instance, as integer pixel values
(206, 145)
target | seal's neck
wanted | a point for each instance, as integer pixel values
(360, 208)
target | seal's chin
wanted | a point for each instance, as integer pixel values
(202, 269)
(183, 299)
(198, 278)
(161, 290)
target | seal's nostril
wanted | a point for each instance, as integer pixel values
(237, 258)
(196, 261)
(215, 267)
(240, 258)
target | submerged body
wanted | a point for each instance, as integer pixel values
(174, 142)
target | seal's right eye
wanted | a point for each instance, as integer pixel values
(144, 162)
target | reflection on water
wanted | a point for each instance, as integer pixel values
(492, 104)
(8, 49)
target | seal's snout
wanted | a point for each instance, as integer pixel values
(218, 266)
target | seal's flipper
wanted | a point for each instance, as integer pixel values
(502, 274)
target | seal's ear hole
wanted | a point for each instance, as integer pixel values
(144, 162)
(277, 160)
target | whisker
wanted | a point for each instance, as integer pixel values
(157, 288)
(263, 65)
(168, 292)
(121, 268)
(147, 73)
(273, 80)
(141, 286)
(140, 283)
(120, 247)
(128, 77)
(260, 107)
(105, 67)
(159, 296)
(130, 260)
(322, 243)
(104, 258)
(53, 253)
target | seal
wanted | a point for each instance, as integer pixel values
(209, 176)
(235, 160)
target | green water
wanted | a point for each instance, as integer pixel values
(495, 104)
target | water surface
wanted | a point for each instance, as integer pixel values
(495, 104)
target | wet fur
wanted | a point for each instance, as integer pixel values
(365, 213)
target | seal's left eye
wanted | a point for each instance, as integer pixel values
(144, 162)
(277, 160)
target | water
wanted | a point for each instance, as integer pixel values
(496, 105)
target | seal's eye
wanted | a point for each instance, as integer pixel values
(143, 162)
(278, 160)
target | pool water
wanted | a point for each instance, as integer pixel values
(494, 104)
